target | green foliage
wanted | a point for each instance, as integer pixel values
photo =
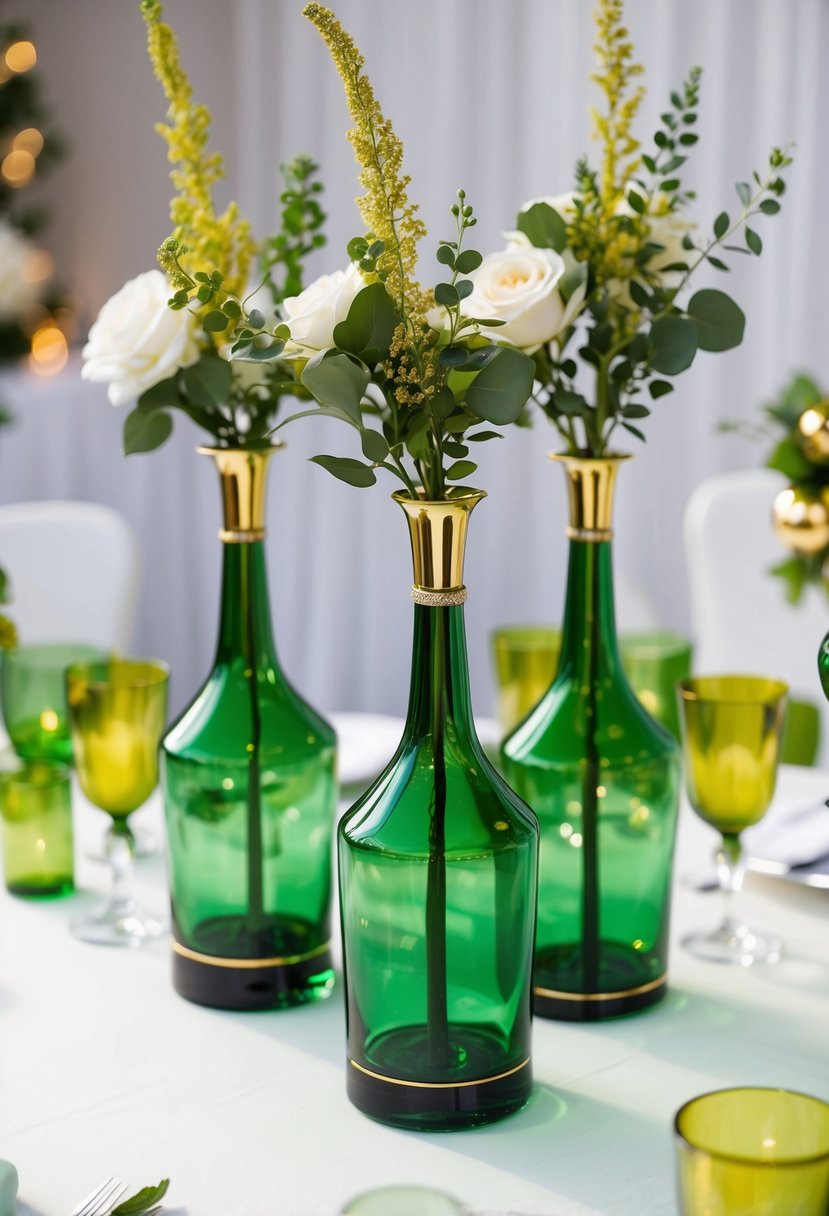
(636, 328)
(144, 1201)
(431, 385)
(282, 256)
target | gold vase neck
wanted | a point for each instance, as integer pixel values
(438, 534)
(591, 481)
(243, 475)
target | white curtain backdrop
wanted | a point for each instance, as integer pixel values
(487, 95)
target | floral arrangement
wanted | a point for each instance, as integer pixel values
(607, 266)
(208, 349)
(409, 368)
(798, 422)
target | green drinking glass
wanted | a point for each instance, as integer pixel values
(33, 697)
(404, 1201)
(36, 806)
(655, 661)
(250, 793)
(753, 1152)
(604, 780)
(525, 664)
(732, 729)
(437, 885)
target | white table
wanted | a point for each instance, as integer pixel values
(106, 1070)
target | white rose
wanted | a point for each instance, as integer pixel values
(312, 315)
(138, 340)
(19, 288)
(520, 287)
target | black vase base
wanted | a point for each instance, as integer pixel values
(393, 1085)
(228, 965)
(623, 984)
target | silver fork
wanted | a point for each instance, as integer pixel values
(101, 1200)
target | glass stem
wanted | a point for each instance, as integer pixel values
(731, 870)
(255, 883)
(119, 850)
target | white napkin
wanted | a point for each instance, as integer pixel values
(792, 834)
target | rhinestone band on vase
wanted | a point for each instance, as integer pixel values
(439, 599)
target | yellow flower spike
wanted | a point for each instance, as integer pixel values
(225, 241)
(385, 207)
(617, 71)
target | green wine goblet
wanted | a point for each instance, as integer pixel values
(117, 711)
(732, 727)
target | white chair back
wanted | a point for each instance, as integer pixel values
(73, 569)
(741, 619)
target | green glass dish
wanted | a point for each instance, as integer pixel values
(437, 891)
(33, 697)
(36, 806)
(248, 772)
(753, 1152)
(604, 780)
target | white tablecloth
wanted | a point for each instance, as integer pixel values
(106, 1070)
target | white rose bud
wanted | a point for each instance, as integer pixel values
(520, 287)
(312, 315)
(138, 340)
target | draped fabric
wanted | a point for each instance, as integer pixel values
(490, 96)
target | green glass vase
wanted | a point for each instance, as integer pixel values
(604, 779)
(438, 867)
(248, 772)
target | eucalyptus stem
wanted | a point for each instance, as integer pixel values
(437, 1020)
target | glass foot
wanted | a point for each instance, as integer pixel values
(119, 923)
(734, 944)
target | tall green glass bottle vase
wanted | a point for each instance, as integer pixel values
(438, 865)
(604, 779)
(248, 772)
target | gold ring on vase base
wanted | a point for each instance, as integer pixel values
(247, 964)
(379, 1076)
(602, 996)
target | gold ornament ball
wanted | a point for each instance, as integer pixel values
(813, 432)
(801, 519)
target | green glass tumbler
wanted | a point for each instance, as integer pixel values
(753, 1152)
(33, 696)
(438, 867)
(36, 805)
(655, 660)
(525, 664)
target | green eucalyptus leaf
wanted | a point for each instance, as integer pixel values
(231, 309)
(256, 318)
(464, 288)
(718, 320)
(744, 191)
(467, 261)
(458, 423)
(634, 430)
(334, 379)
(354, 472)
(442, 403)
(145, 430)
(795, 576)
(453, 356)
(368, 329)
(754, 242)
(660, 388)
(460, 470)
(721, 225)
(543, 226)
(673, 344)
(445, 256)
(635, 411)
(374, 446)
(447, 295)
(566, 401)
(483, 436)
(207, 382)
(257, 351)
(145, 1199)
(769, 206)
(215, 321)
(500, 391)
(161, 395)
